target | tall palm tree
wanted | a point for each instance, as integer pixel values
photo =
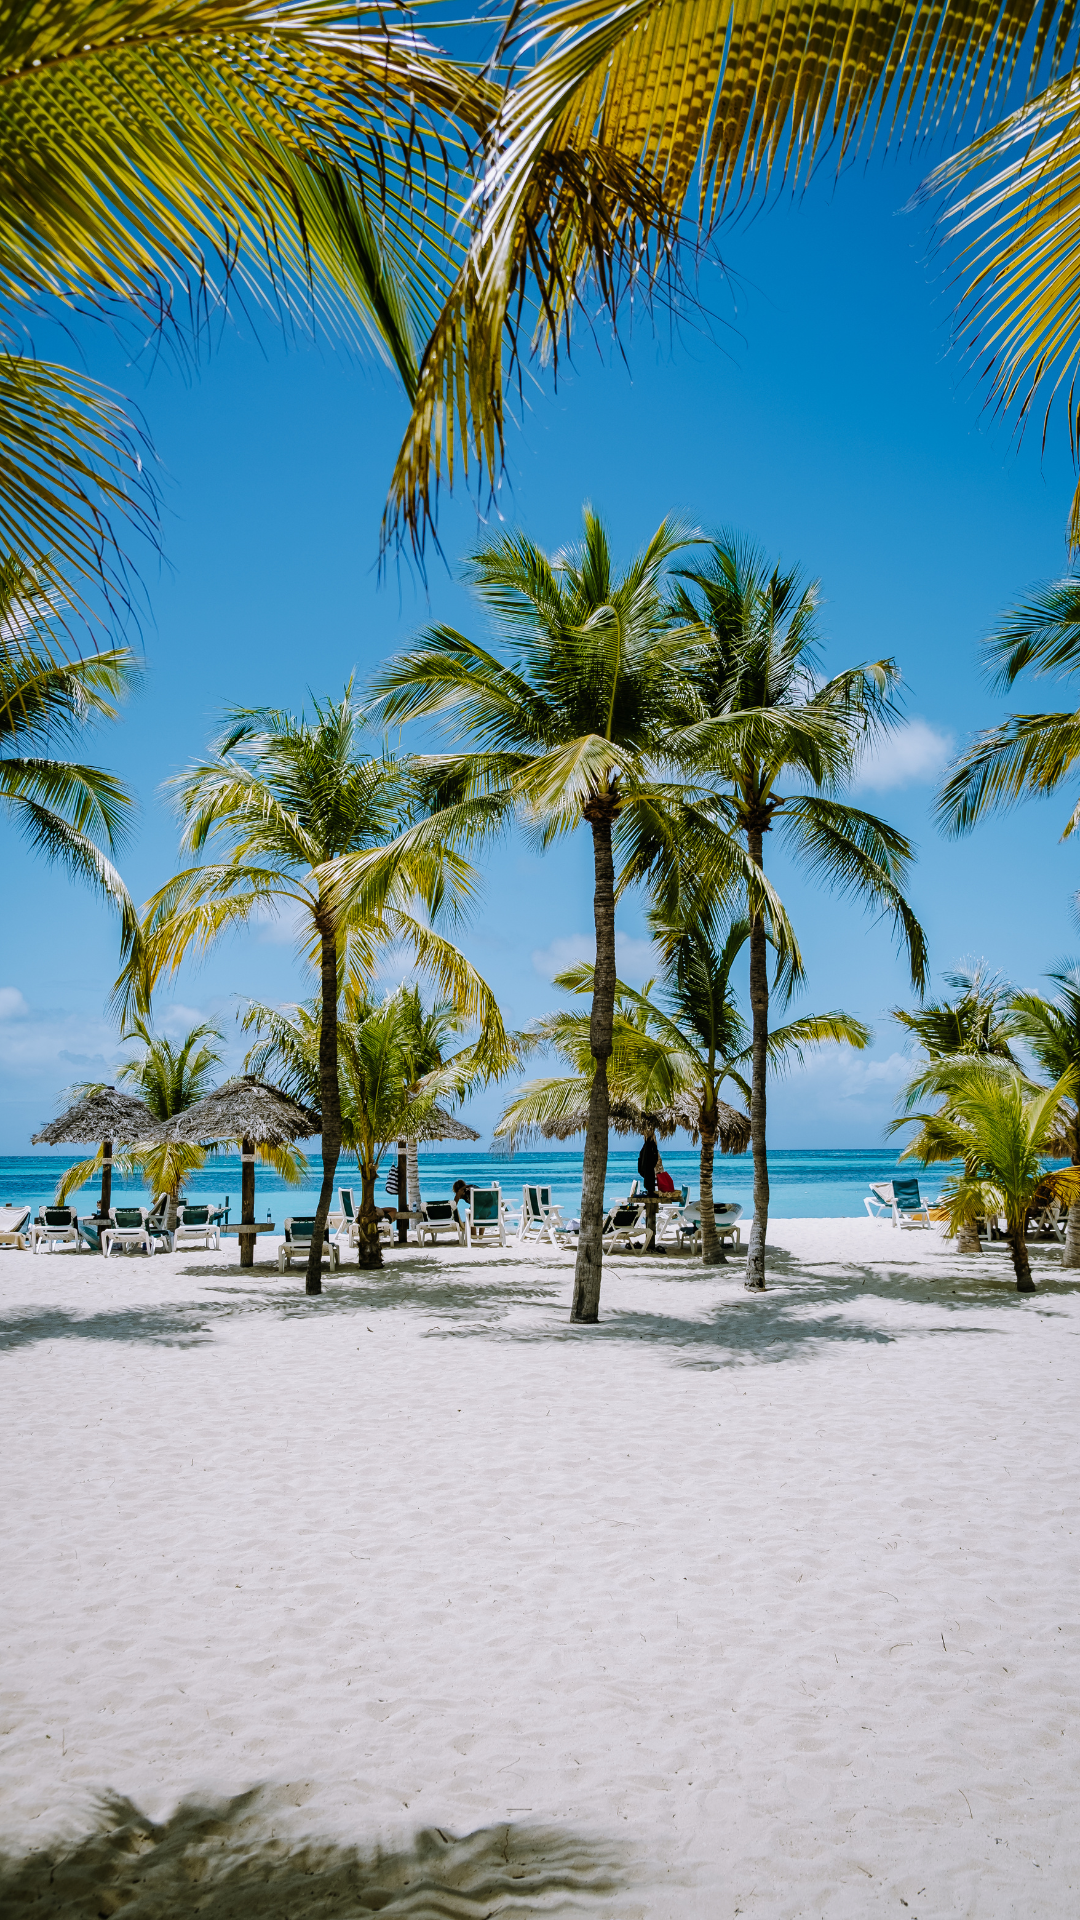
(772, 719)
(579, 718)
(49, 694)
(1029, 754)
(376, 1061)
(672, 1055)
(156, 154)
(309, 821)
(1051, 1029)
(424, 1033)
(1000, 1128)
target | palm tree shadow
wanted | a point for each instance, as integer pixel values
(223, 1862)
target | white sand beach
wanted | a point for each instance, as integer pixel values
(731, 1605)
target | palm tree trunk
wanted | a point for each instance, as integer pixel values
(759, 1007)
(412, 1183)
(586, 1304)
(712, 1253)
(247, 1202)
(330, 1102)
(1070, 1252)
(967, 1240)
(106, 1178)
(369, 1249)
(1021, 1264)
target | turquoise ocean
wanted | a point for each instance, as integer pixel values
(805, 1183)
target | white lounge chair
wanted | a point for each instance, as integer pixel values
(14, 1227)
(297, 1243)
(57, 1226)
(621, 1223)
(343, 1219)
(726, 1213)
(901, 1199)
(436, 1218)
(541, 1218)
(130, 1228)
(485, 1215)
(197, 1227)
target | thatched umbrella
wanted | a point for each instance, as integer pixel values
(626, 1117)
(253, 1113)
(107, 1116)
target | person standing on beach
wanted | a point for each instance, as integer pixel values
(647, 1159)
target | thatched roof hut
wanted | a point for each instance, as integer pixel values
(107, 1115)
(244, 1109)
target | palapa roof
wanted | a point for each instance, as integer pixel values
(733, 1134)
(441, 1125)
(243, 1109)
(107, 1115)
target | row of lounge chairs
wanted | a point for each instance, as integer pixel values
(127, 1227)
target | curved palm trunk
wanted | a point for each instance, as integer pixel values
(330, 1102)
(587, 1272)
(759, 1007)
(1021, 1264)
(712, 1253)
(369, 1250)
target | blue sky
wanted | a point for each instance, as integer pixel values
(826, 417)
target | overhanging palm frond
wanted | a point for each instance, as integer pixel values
(860, 854)
(1028, 755)
(626, 130)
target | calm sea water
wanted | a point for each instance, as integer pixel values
(804, 1183)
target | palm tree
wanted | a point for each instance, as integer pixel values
(379, 1099)
(771, 718)
(425, 1032)
(65, 809)
(999, 1127)
(309, 821)
(1051, 1029)
(672, 1056)
(1029, 754)
(580, 718)
(977, 1024)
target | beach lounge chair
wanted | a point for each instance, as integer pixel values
(197, 1227)
(1050, 1220)
(901, 1199)
(57, 1226)
(485, 1216)
(726, 1213)
(436, 1218)
(130, 1228)
(14, 1227)
(621, 1223)
(297, 1243)
(90, 1229)
(540, 1218)
(343, 1221)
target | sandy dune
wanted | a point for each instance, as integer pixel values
(732, 1605)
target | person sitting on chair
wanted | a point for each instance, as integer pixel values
(664, 1181)
(461, 1198)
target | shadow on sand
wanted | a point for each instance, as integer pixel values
(807, 1305)
(222, 1862)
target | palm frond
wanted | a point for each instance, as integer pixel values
(863, 856)
(1029, 754)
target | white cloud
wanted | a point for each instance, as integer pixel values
(912, 756)
(12, 1004)
(636, 959)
